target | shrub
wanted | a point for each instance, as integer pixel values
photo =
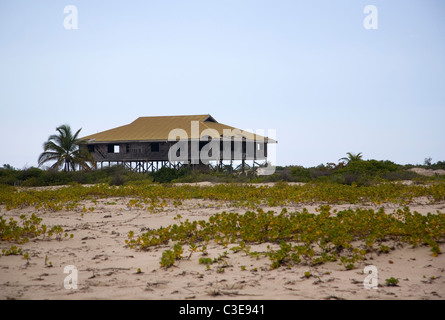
(166, 175)
(168, 258)
(177, 249)
(400, 175)
(392, 282)
(206, 261)
(336, 236)
(301, 174)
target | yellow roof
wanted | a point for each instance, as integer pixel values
(159, 128)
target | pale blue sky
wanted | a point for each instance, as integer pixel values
(308, 69)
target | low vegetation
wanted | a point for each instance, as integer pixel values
(153, 197)
(358, 172)
(346, 236)
(293, 238)
(20, 232)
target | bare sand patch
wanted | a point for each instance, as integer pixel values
(427, 172)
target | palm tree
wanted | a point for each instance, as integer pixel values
(63, 148)
(352, 157)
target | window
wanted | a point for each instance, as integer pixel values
(91, 148)
(133, 148)
(155, 147)
(113, 148)
(202, 144)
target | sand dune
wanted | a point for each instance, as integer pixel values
(108, 269)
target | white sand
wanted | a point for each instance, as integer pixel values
(428, 172)
(107, 269)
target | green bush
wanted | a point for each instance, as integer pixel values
(438, 165)
(370, 167)
(300, 173)
(168, 258)
(34, 177)
(392, 282)
(367, 172)
(166, 175)
(359, 172)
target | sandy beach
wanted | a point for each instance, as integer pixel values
(108, 269)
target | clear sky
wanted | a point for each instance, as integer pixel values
(308, 69)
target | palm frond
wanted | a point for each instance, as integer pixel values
(63, 148)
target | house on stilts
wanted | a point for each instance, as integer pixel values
(149, 143)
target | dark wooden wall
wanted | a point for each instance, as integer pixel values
(147, 151)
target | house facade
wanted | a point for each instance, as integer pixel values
(149, 143)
